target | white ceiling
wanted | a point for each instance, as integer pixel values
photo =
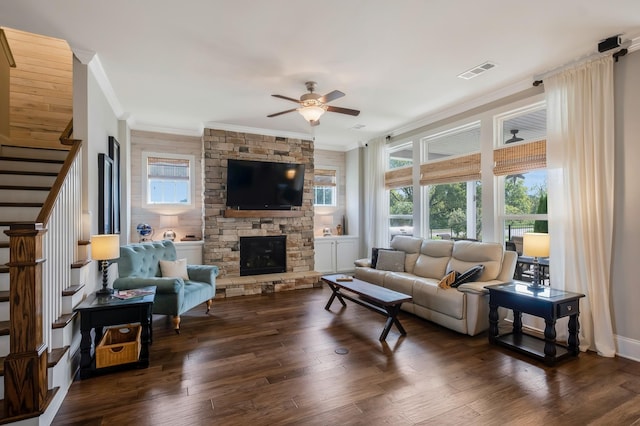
(192, 63)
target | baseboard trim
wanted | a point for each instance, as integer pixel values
(628, 348)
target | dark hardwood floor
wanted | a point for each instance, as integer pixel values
(271, 360)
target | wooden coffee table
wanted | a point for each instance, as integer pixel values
(378, 299)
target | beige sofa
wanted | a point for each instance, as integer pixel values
(465, 308)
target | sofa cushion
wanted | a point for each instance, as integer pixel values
(174, 268)
(390, 260)
(433, 259)
(467, 254)
(409, 245)
(471, 274)
(370, 275)
(426, 293)
(374, 255)
(400, 281)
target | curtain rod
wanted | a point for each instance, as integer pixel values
(620, 53)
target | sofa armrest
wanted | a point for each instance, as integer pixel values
(203, 273)
(363, 263)
(477, 287)
(163, 285)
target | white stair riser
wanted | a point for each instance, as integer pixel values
(25, 166)
(25, 152)
(4, 281)
(22, 196)
(4, 311)
(70, 302)
(27, 180)
(19, 214)
(61, 337)
(4, 345)
(4, 255)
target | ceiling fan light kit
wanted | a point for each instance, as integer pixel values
(313, 106)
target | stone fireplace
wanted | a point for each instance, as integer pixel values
(263, 255)
(223, 231)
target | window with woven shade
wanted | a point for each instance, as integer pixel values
(520, 158)
(324, 187)
(168, 178)
(450, 170)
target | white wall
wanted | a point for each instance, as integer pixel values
(324, 159)
(625, 287)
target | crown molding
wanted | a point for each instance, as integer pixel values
(460, 108)
(103, 81)
(146, 127)
(257, 130)
(84, 56)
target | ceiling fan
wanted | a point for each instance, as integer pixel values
(312, 105)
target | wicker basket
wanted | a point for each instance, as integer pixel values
(119, 345)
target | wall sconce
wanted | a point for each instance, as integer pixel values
(105, 247)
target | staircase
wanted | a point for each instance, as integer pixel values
(42, 276)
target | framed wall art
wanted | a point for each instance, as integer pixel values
(114, 154)
(105, 194)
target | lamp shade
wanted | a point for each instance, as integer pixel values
(311, 113)
(105, 247)
(168, 221)
(535, 244)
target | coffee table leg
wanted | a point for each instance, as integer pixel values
(392, 319)
(336, 293)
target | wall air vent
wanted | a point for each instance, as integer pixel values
(476, 71)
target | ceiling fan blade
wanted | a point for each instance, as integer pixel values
(348, 111)
(314, 123)
(282, 112)
(286, 98)
(331, 96)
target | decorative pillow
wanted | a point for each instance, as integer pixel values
(374, 255)
(469, 275)
(448, 279)
(174, 268)
(390, 260)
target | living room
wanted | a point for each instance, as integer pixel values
(99, 116)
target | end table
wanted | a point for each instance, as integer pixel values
(549, 304)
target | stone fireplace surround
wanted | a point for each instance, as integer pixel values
(222, 234)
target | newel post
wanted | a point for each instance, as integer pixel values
(25, 368)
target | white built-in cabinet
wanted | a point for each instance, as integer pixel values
(336, 254)
(190, 250)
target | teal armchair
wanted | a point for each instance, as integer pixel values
(139, 266)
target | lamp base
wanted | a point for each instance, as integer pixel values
(535, 287)
(104, 291)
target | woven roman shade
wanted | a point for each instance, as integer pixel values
(168, 168)
(398, 178)
(451, 170)
(324, 177)
(520, 158)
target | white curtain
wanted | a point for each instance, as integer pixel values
(580, 159)
(376, 218)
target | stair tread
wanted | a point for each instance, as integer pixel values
(63, 320)
(80, 263)
(4, 296)
(26, 173)
(53, 358)
(5, 327)
(4, 269)
(4, 244)
(10, 204)
(32, 160)
(71, 290)
(25, 188)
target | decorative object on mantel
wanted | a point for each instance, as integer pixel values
(105, 247)
(168, 222)
(145, 231)
(536, 245)
(190, 238)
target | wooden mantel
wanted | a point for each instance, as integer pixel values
(263, 213)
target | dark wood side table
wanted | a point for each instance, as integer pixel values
(549, 304)
(98, 312)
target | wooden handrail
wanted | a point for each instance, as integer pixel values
(65, 137)
(47, 208)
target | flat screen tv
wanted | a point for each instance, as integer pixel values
(263, 185)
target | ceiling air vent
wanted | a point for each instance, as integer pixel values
(476, 71)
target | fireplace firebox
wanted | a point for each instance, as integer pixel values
(263, 255)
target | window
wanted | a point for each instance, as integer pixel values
(169, 179)
(324, 187)
(450, 178)
(520, 162)
(399, 182)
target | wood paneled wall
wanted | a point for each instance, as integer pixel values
(41, 89)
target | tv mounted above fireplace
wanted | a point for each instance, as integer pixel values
(264, 185)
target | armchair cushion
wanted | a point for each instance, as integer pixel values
(174, 268)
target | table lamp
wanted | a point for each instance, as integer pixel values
(536, 245)
(105, 247)
(169, 222)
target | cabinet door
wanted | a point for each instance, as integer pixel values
(324, 256)
(346, 254)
